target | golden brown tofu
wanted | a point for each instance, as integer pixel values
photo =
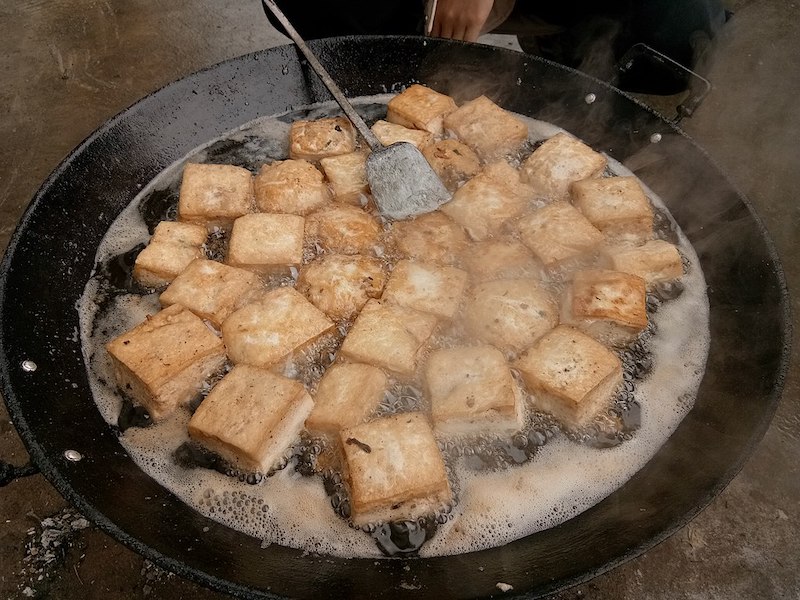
(269, 331)
(251, 417)
(617, 206)
(654, 261)
(486, 128)
(570, 375)
(558, 162)
(347, 175)
(266, 243)
(210, 289)
(426, 287)
(315, 140)
(432, 237)
(501, 259)
(453, 161)
(343, 229)
(419, 107)
(290, 186)
(173, 246)
(391, 133)
(162, 363)
(215, 195)
(395, 470)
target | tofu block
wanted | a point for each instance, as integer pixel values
(617, 206)
(269, 331)
(510, 314)
(607, 305)
(173, 246)
(394, 469)
(570, 375)
(391, 133)
(347, 175)
(419, 107)
(486, 128)
(251, 417)
(343, 229)
(559, 235)
(341, 285)
(315, 140)
(453, 161)
(214, 195)
(266, 243)
(472, 392)
(654, 261)
(347, 395)
(290, 186)
(210, 289)
(432, 237)
(558, 162)
(388, 336)
(429, 288)
(501, 259)
(162, 363)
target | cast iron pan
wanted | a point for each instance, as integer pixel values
(51, 256)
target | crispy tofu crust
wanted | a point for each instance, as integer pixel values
(173, 246)
(654, 261)
(265, 243)
(391, 133)
(343, 229)
(501, 259)
(486, 128)
(453, 161)
(617, 206)
(214, 195)
(429, 288)
(290, 186)
(347, 175)
(432, 237)
(315, 140)
(419, 107)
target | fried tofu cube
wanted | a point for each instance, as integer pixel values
(315, 140)
(429, 288)
(501, 259)
(210, 289)
(655, 261)
(559, 161)
(453, 161)
(433, 237)
(347, 395)
(173, 246)
(486, 128)
(341, 285)
(419, 107)
(290, 186)
(394, 469)
(347, 175)
(269, 331)
(162, 363)
(570, 375)
(343, 229)
(472, 392)
(266, 243)
(510, 314)
(388, 336)
(391, 133)
(607, 305)
(214, 195)
(558, 234)
(617, 206)
(251, 417)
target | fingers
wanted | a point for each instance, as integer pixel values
(460, 19)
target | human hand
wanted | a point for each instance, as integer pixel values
(460, 19)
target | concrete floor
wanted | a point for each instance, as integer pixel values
(67, 66)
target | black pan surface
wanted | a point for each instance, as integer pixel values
(51, 256)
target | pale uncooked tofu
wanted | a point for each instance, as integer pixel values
(434, 289)
(617, 206)
(391, 133)
(210, 289)
(559, 235)
(173, 246)
(388, 336)
(214, 195)
(347, 175)
(340, 285)
(433, 237)
(570, 375)
(162, 363)
(394, 469)
(269, 331)
(347, 395)
(290, 186)
(453, 161)
(315, 140)
(654, 261)
(266, 243)
(559, 161)
(501, 259)
(419, 107)
(608, 305)
(251, 418)
(472, 392)
(486, 128)
(343, 229)
(510, 314)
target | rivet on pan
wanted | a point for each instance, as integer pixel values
(29, 366)
(72, 455)
(655, 138)
(589, 98)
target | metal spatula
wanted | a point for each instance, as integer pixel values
(402, 182)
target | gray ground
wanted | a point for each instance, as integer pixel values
(67, 66)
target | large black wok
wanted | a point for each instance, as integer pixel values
(52, 253)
